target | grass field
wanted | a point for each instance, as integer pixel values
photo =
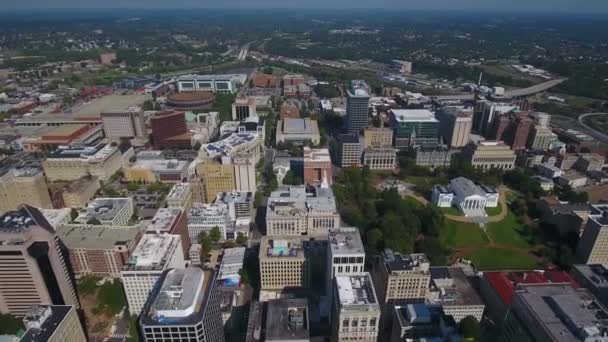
(459, 234)
(490, 258)
(451, 211)
(508, 232)
(494, 211)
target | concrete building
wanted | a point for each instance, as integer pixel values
(214, 178)
(492, 154)
(378, 137)
(154, 254)
(288, 320)
(559, 312)
(116, 211)
(451, 289)
(356, 311)
(98, 250)
(472, 199)
(350, 149)
(151, 169)
(548, 170)
(486, 112)
(239, 203)
(124, 124)
(380, 158)
(425, 322)
(292, 211)
(172, 221)
(221, 84)
(298, 131)
(184, 306)
(33, 269)
(455, 124)
(541, 138)
(317, 166)
(414, 127)
(593, 278)
(590, 162)
(346, 255)
(52, 137)
(593, 245)
(401, 277)
(573, 179)
(242, 108)
(74, 162)
(442, 196)
(53, 323)
(22, 182)
(357, 109)
(180, 196)
(169, 130)
(283, 263)
(432, 157)
(78, 194)
(202, 218)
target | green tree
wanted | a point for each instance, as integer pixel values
(87, 285)
(9, 324)
(73, 214)
(469, 328)
(132, 186)
(94, 221)
(374, 239)
(206, 246)
(241, 239)
(267, 70)
(215, 234)
(111, 297)
(133, 331)
(291, 179)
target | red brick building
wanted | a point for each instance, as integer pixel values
(317, 165)
(169, 130)
(171, 221)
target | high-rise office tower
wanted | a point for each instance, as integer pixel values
(124, 124)
(357, 105)
(33, 266)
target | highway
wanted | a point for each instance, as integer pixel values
(512, 93)
(592, 131)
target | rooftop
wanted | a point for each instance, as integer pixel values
(153, 252)
(356, 291)
(234, 143)
(19, 221)
(295, 200)
(164, 220)
(161, 165)
(286, 247)
(452, 287)
(43, 320)
(299, 126)
(504, 283)
(345, 241)
(287, 319)
(414, 115)
(21, 165)
(466, 187)
(86, 153)
(234, 197)
(104, 209)
(208, 209)
(395, 261)
(180, 299)
(96, 237)
(231, 264)
(179, 190)
(316, 155)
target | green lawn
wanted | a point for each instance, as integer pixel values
(490, 258)
(494, 211)
(459, 234)
(508, 232)
(454, 211)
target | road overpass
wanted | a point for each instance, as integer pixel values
(511, 93)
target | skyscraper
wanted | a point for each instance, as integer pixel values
(33, 269)
(357, 104)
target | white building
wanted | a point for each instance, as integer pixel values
(356, 316)
(240, 203)
(108, 211)
(204, 217)
(442, 196)
(549, 171)
(222, 84)
(154, 254)
(450, 288)
(346, 254)
(180, 196)
(472, 199)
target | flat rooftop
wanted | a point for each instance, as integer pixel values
(164, 219)
(19, 221)
(84, 153)
(356, 291)
(153, 252)
(234, 197)
(299, 126)
(227, 147)
(414, 115)
(44, 320)
(108, 103)
(345, 241)
(232, 262)
(287, 319)
(316, 155)
(395, 261)
(96, 237)
(161, 165)
(286, 247)
(179, 190)
(21, 165)
(104, 209)
(453, 286)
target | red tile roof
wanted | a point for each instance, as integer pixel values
(504, 283)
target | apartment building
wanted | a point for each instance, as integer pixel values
(356, 311)
(292, 211)
(98, 250)
(33, 269)
(78, 194)
(492, 154)
(53, 323)
(283, 263)
(184, 306)
(400, 277)
(22, 182)
(74, 162)
(154, 254)
(111, 211)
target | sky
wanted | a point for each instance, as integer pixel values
(590, 6)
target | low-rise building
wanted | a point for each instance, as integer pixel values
(154, 254)
(594, 278)
(590, 162)
(74, 162)
(451, 289)
(184, 306)
(171, 221)
(292, 211)
(180, 196)
(400, 277)
(317, 166)
(436, 156)
(202, 218)
(107, 211)
(573, 179)
(356, 315)
(567, 217)
(549, 171)
(492, 154)
(152, 167)
(298, 131)
(422, 321)
(470, 198)
(98, 250)
(380, 158)
(442, 196)
(288, 320)
(78, 194)
(53, 323)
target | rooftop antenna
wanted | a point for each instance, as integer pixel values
(480, 76)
